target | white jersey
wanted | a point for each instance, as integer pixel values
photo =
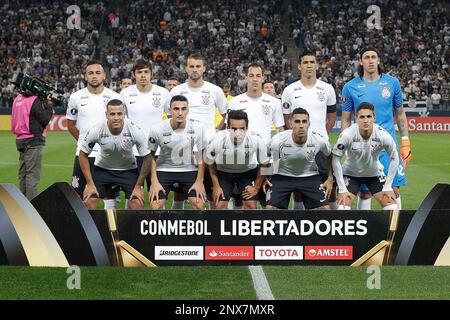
(202, 103)
(116, 151)
(87, 110)
(233, 158)
(314, 100)
(362, 155)
(179, 149)
(146, 109)
(261, 113)
(293, 160)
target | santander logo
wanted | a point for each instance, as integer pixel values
(229, 253)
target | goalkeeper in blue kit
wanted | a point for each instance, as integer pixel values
(385, 93)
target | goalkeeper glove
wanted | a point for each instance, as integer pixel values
(405, 151)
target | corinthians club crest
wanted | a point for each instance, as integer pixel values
(385, 93)
(156, 102)
(206, 99)
(321, 96)
(266, 109)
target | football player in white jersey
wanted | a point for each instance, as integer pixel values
(203, 98)
(319, 99)
(261, 108)
(115, 164)
(234, 157)
(294, 159)
(145, 102)
(180, 162)
(362, 142)
(85, 109)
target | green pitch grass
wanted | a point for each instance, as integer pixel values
(430, 165)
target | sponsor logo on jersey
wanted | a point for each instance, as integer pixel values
(104, 135)
(385, 93)
(133, 95)
(167, 134)
(286, 105)
(228, 253)
(243, 101)
(73, 111)
(206, 91)
(84, 97)
(383, 83)
(265, 100)
(328, 252)
(361, 85)
(106, 96)
(266, 109)
(340, 146)
(320, 88)
(183, 92)
(298, 88)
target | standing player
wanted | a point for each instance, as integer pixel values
(178, 162)
(145, 101)
(262, 109)
(85, 109)
(115, 164)
(234, 157)
(319, 99)
(385, 93)
(362, 143)
(295, 170)
(203, 98)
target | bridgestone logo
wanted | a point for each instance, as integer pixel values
(178, 253)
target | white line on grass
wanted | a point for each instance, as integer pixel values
(260, 283)
(44, 164)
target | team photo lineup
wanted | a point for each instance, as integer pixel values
(124, 142)
(146, 137)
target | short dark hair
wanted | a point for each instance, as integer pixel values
(365, 106)
(306, 52)
(93, 61)
(300, 111)
(116, 102)
(142, 64)
(254, 65)
(196, 56)
(237, 115)
(180, 98)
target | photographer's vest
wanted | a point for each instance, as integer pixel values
(20, 117)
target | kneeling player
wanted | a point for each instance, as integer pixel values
(234, 157)
(179, 140)
(295, 169)
(115, 165)
(363, 142)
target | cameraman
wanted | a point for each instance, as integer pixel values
(30, 116)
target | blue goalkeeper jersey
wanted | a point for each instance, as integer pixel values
(385, 94)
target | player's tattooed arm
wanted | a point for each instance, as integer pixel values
(402, 121)
(145, 170)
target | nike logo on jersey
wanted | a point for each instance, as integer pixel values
(83, 104)
(322, 200)
(166, 142)
(131, 102)
(297, 97)
(360, 95)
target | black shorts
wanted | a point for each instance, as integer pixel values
(228, 182)
(309, 187)
(108, 181)
(207, 182)
(139, 161)
(374, 184)
(322, 165)
(179, 181)
(78, 179)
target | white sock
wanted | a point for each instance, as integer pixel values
(178, 205)
(209, 205)
(399, 203)
(110, 203)
(298, 206)
(364, 204)
(230, 205)
(342, 207)
(390, 207)
(334, 206)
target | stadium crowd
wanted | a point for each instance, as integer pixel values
(230, 34)
(413, 41)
